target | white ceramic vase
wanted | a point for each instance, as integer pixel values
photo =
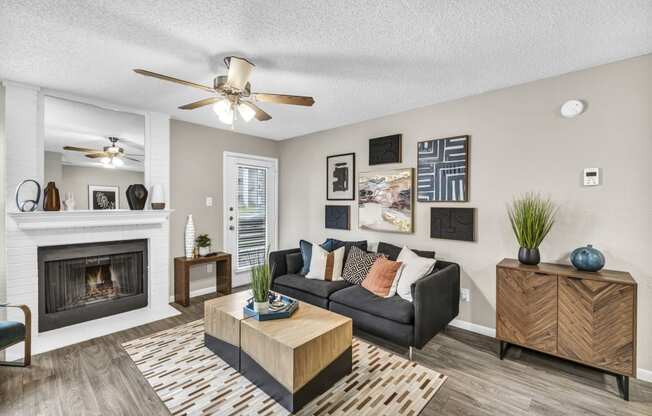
(157, 199)
(69, 202)
(189, 237)
(203, 251)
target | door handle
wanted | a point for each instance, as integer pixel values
(231, 227)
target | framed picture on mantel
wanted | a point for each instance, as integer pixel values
(340, 177)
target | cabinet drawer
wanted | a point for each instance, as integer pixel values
(526, 308)
(596, 323)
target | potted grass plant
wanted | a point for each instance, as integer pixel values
(203, 244)
(532, 217)
(261, 278)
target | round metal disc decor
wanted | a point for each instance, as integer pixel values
(28, 195)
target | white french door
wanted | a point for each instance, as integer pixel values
(250, 205)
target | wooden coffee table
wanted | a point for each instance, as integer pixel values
(293, 360)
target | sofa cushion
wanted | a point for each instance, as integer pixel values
(294, 262)
(383, 277)
(11, 332)
(320, 288)
(392, 251)
(332, 244)
(395, 308)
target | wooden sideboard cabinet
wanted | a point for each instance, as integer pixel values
(586, 317)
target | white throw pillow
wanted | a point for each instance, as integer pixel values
(326, 265)
(414, 268)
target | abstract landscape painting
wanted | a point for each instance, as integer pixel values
(442, 166)
(385, 200)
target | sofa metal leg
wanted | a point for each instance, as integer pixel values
(623, 386)
(411, 353)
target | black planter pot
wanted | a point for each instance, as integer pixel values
(529, 256)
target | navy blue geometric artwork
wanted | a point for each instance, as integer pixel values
(442, 166)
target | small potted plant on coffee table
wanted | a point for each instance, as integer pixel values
(203, 244)
(532, 217)
(261, 277)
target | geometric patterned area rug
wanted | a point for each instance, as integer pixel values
(191, 380)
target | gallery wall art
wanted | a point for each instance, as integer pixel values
(452, 223)
(340, 177)
(338, 217)
(385, 200)
(386, 149)
(103, 197)
(442, 170)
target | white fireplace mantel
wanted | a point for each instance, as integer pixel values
(50, 220)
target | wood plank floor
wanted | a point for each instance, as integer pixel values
(97, 377)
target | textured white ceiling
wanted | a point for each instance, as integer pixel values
(359, 59)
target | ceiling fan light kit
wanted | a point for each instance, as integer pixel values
(231, 93)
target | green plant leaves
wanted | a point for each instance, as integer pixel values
(532, 217)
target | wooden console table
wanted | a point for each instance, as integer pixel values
(182, 267)
(586, 317)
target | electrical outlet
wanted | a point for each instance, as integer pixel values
(465, 295)
(209, 201)
(209, 268)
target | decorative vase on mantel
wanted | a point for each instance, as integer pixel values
(136, 196)
(189, 237)
(51, 198)
(158, 197)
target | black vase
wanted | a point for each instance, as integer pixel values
(529, 256)
(136, 196)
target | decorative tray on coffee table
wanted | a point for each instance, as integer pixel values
(279, 308)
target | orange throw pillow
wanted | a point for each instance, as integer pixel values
(381, 276)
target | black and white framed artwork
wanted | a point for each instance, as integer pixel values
(340, 177)
(442, 170)
(386, 149)
(338, 217)
(103, 197)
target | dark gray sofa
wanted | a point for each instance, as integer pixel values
(410, 324)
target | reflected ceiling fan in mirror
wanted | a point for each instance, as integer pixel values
(232, 93)
(111, 156)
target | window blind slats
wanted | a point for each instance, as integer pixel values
(252, 215)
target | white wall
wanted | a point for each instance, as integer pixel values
(519, 143)
(3, 172)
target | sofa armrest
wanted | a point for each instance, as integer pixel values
(436, 302)
(277, 262)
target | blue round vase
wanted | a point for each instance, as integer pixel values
(587, 259)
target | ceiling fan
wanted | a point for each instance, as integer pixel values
(111, 156)
(233, 91)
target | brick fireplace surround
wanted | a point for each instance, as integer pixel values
(25, 232)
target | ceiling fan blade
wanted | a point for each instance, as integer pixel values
(201, 103)
(284, 99)
(132, 159)
(98, 155)
(80, 149)
(260, 114)
(172, 79)
(239, 72)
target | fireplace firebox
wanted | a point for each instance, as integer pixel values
(82, 282)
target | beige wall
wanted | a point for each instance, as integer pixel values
(76, 179)
(196, 154)
(3, 167)
(519, 143)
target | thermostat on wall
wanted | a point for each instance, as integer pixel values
(591, 176)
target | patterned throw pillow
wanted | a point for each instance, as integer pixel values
(358, 264)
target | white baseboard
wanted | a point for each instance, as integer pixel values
(478, 329)
(641, 373)
(198, 292)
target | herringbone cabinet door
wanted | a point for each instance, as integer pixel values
(596, 323)
(527, 309)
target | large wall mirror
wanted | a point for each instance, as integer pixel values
(92, 154)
